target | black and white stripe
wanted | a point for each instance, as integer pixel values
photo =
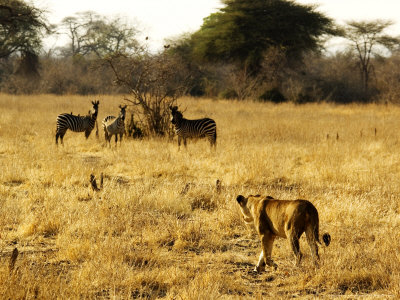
(115, 126)
(77, 123)
(200, 128)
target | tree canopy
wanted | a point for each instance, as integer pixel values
(21, 28)
(91, 33)
(367, 38)
(243, 30)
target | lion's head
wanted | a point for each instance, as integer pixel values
(247, 216)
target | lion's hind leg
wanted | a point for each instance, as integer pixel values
(312, 243)
(295, 245)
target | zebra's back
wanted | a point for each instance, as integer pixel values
(113, 125)
(107, 119)
(74, 123)
(196, 128)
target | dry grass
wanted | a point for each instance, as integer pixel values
(159, 228)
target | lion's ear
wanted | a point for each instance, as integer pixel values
(240, 199)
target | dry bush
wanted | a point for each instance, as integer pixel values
(333, 78)
(153, 82)
(75, 76)
(60, 76)
(388, 78)
(159, 227)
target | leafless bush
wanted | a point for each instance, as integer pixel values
(132, 130)
(325, 78)
(154, 83)
(18, 84)
(248, 82)
(75, 76)
(59, 75)
(388, 79)
(242, 81)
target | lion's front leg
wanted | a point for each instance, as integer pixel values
(267, 240)
(260, 267)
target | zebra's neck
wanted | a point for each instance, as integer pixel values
(180, 123)
(94, 116)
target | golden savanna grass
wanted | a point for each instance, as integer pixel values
(160, 229)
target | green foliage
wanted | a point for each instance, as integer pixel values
(182, 48)
(243, 30)
(21, 30)
(21, 27)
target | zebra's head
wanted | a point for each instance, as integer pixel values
(123, 111)
(176, 115)
(95, 108)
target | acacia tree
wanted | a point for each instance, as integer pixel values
(368, 39)
(243, 30)
(22, 27)
(250, 35)
(90, 33)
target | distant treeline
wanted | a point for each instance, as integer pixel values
(261, 50)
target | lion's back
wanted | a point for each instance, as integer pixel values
(283, 215)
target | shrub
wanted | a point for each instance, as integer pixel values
(273, 95)
(228, 94)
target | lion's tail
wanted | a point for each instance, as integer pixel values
(326, 237)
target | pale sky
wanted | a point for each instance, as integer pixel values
(161, 19)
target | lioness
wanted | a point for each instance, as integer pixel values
(282, 218)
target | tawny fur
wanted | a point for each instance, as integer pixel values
(282, 218)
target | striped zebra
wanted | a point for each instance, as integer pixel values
(77, 123)
(115, 126)
(201, 128)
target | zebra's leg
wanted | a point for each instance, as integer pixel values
(59, 134)
(179, 142)
(87, 133)
(62, 138)
(184, 142)
(213, 141)
(106, 136)
(116, 139)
